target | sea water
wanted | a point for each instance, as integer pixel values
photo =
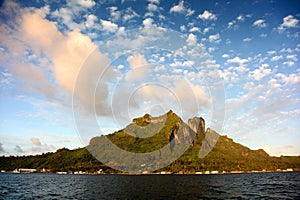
(226, 186)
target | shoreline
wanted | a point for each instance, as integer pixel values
(145, 174)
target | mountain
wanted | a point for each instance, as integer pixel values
(163, 143)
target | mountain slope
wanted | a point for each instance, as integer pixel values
(225, 154)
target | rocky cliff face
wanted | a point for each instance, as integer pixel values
(182, 133)
(191, 133)
(197, 124)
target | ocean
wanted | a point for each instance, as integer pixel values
(109, 186)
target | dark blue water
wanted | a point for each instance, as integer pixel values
(229, 186)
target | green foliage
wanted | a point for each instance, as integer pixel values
(61, 160)
(138, 144)
(230, 156)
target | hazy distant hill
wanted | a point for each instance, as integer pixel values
(149, 134)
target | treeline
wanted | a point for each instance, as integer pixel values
(61, 160)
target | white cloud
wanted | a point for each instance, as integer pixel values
(225, 56)
(289, 78)
(152, 7)
(271, 52)
(247, 40)
(90, 21)
(234, 23)
(182, 28)
(276, 58)
(211, 49)
(190, 12)
(138, 65)
(230, 24)
(177, 71)
(260, 23)
(137, 60)
(206, 15)
(129, 14)
(229, 75)
(274, 83)
(83, 3)
(215, 38)
(180, 90)
(161, 17)
(65, 16)
(242, 68)
(159, 68)
(182, 64)
(288, 22)
(120, 66)
(289, 63)
(122, 1)
(237, 60)
(207, 29)
(161, 59)
(240, 18)
(148, 22)
(286, 50)
(261, 72)
(114, 13)
(292, 57)
(192, 39)
(263, 35)
(181, 9)
(154, 1)
(108, 26)
(195, 29)
(188, 93)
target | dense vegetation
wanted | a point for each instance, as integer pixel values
(225, 156)
(137, 144)
(230, 156)
(62, 160)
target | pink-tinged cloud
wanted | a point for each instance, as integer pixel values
(36, 141)
(67, 53)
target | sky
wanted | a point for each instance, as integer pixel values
(71, 70)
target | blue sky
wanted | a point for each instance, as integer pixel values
(70, 70)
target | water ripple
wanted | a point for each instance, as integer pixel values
(230, 186)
